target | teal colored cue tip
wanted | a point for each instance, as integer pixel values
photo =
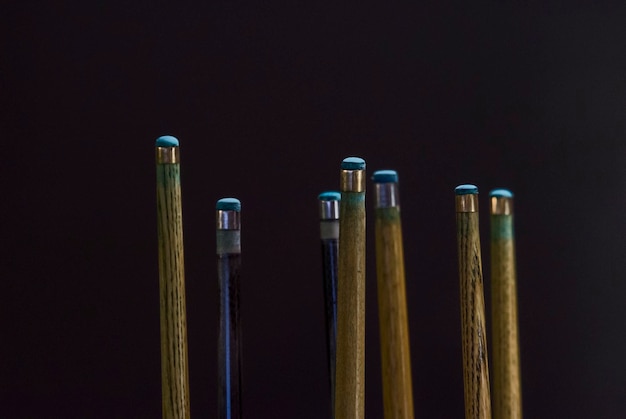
(353, 163)
(228, 204)
(385, 176)
(167, 141)
(329, 196)
(466, 190)
(501, 193)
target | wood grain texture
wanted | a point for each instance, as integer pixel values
(473, 331)
(507, 393)
(350, 374)
(392, 314)
(174, 363)
(229, 337)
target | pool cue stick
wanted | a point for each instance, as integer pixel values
(392, 309)
(473, 327)
(329, 235)
(228, 245)
(174, 361)
(507, 391)
(350, 373)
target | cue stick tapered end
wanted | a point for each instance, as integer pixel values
(466, 198)
(352, 175)
(466, 189)
(501, 193)
(167, 151)
(329, 205)
(501, 202)
(353, 163)
(228, 214)
(386, 184)
(329, 196)
(228, 204)
(167, 141)
(385, 176)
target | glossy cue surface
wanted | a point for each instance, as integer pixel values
(473, 325)
(329, 235)
(507, 392)
(174, 361)
(392, 308)
(228, 246)
(350, 374)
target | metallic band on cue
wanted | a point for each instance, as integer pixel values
(228, 226)
(466, 198)
(329, 205)
(228, 217)
(352, 175)
(167, 151)
(501, 202)
(386, 185)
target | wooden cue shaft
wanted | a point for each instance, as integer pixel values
(507, 392)
(174, 361)
(473, 326)
(392, 308)
(329, 235)
(228, 247)
(350, 373)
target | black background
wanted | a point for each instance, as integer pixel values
(267, 99)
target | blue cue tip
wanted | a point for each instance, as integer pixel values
(167, 141)
(466, 190)
(329, 196)
(228, 204)
(501, 193)
(385, 176)
(353, 163)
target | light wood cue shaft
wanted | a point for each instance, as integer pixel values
(350, 367)
(507, 393)
(473, 325)
(392, 309)
(174, 362)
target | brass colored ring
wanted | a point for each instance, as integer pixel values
(501, 205)
(467, 203)
(352, 181)
(167, 155)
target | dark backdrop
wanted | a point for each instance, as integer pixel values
(267, 99)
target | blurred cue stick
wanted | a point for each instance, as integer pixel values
(507, 392)
(350, 374)
(473, 330)
(228, 246)
(329, 234)
(174, 363)
(392, 309)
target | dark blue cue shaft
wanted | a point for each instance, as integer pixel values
(329, 234)
(228, 234)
